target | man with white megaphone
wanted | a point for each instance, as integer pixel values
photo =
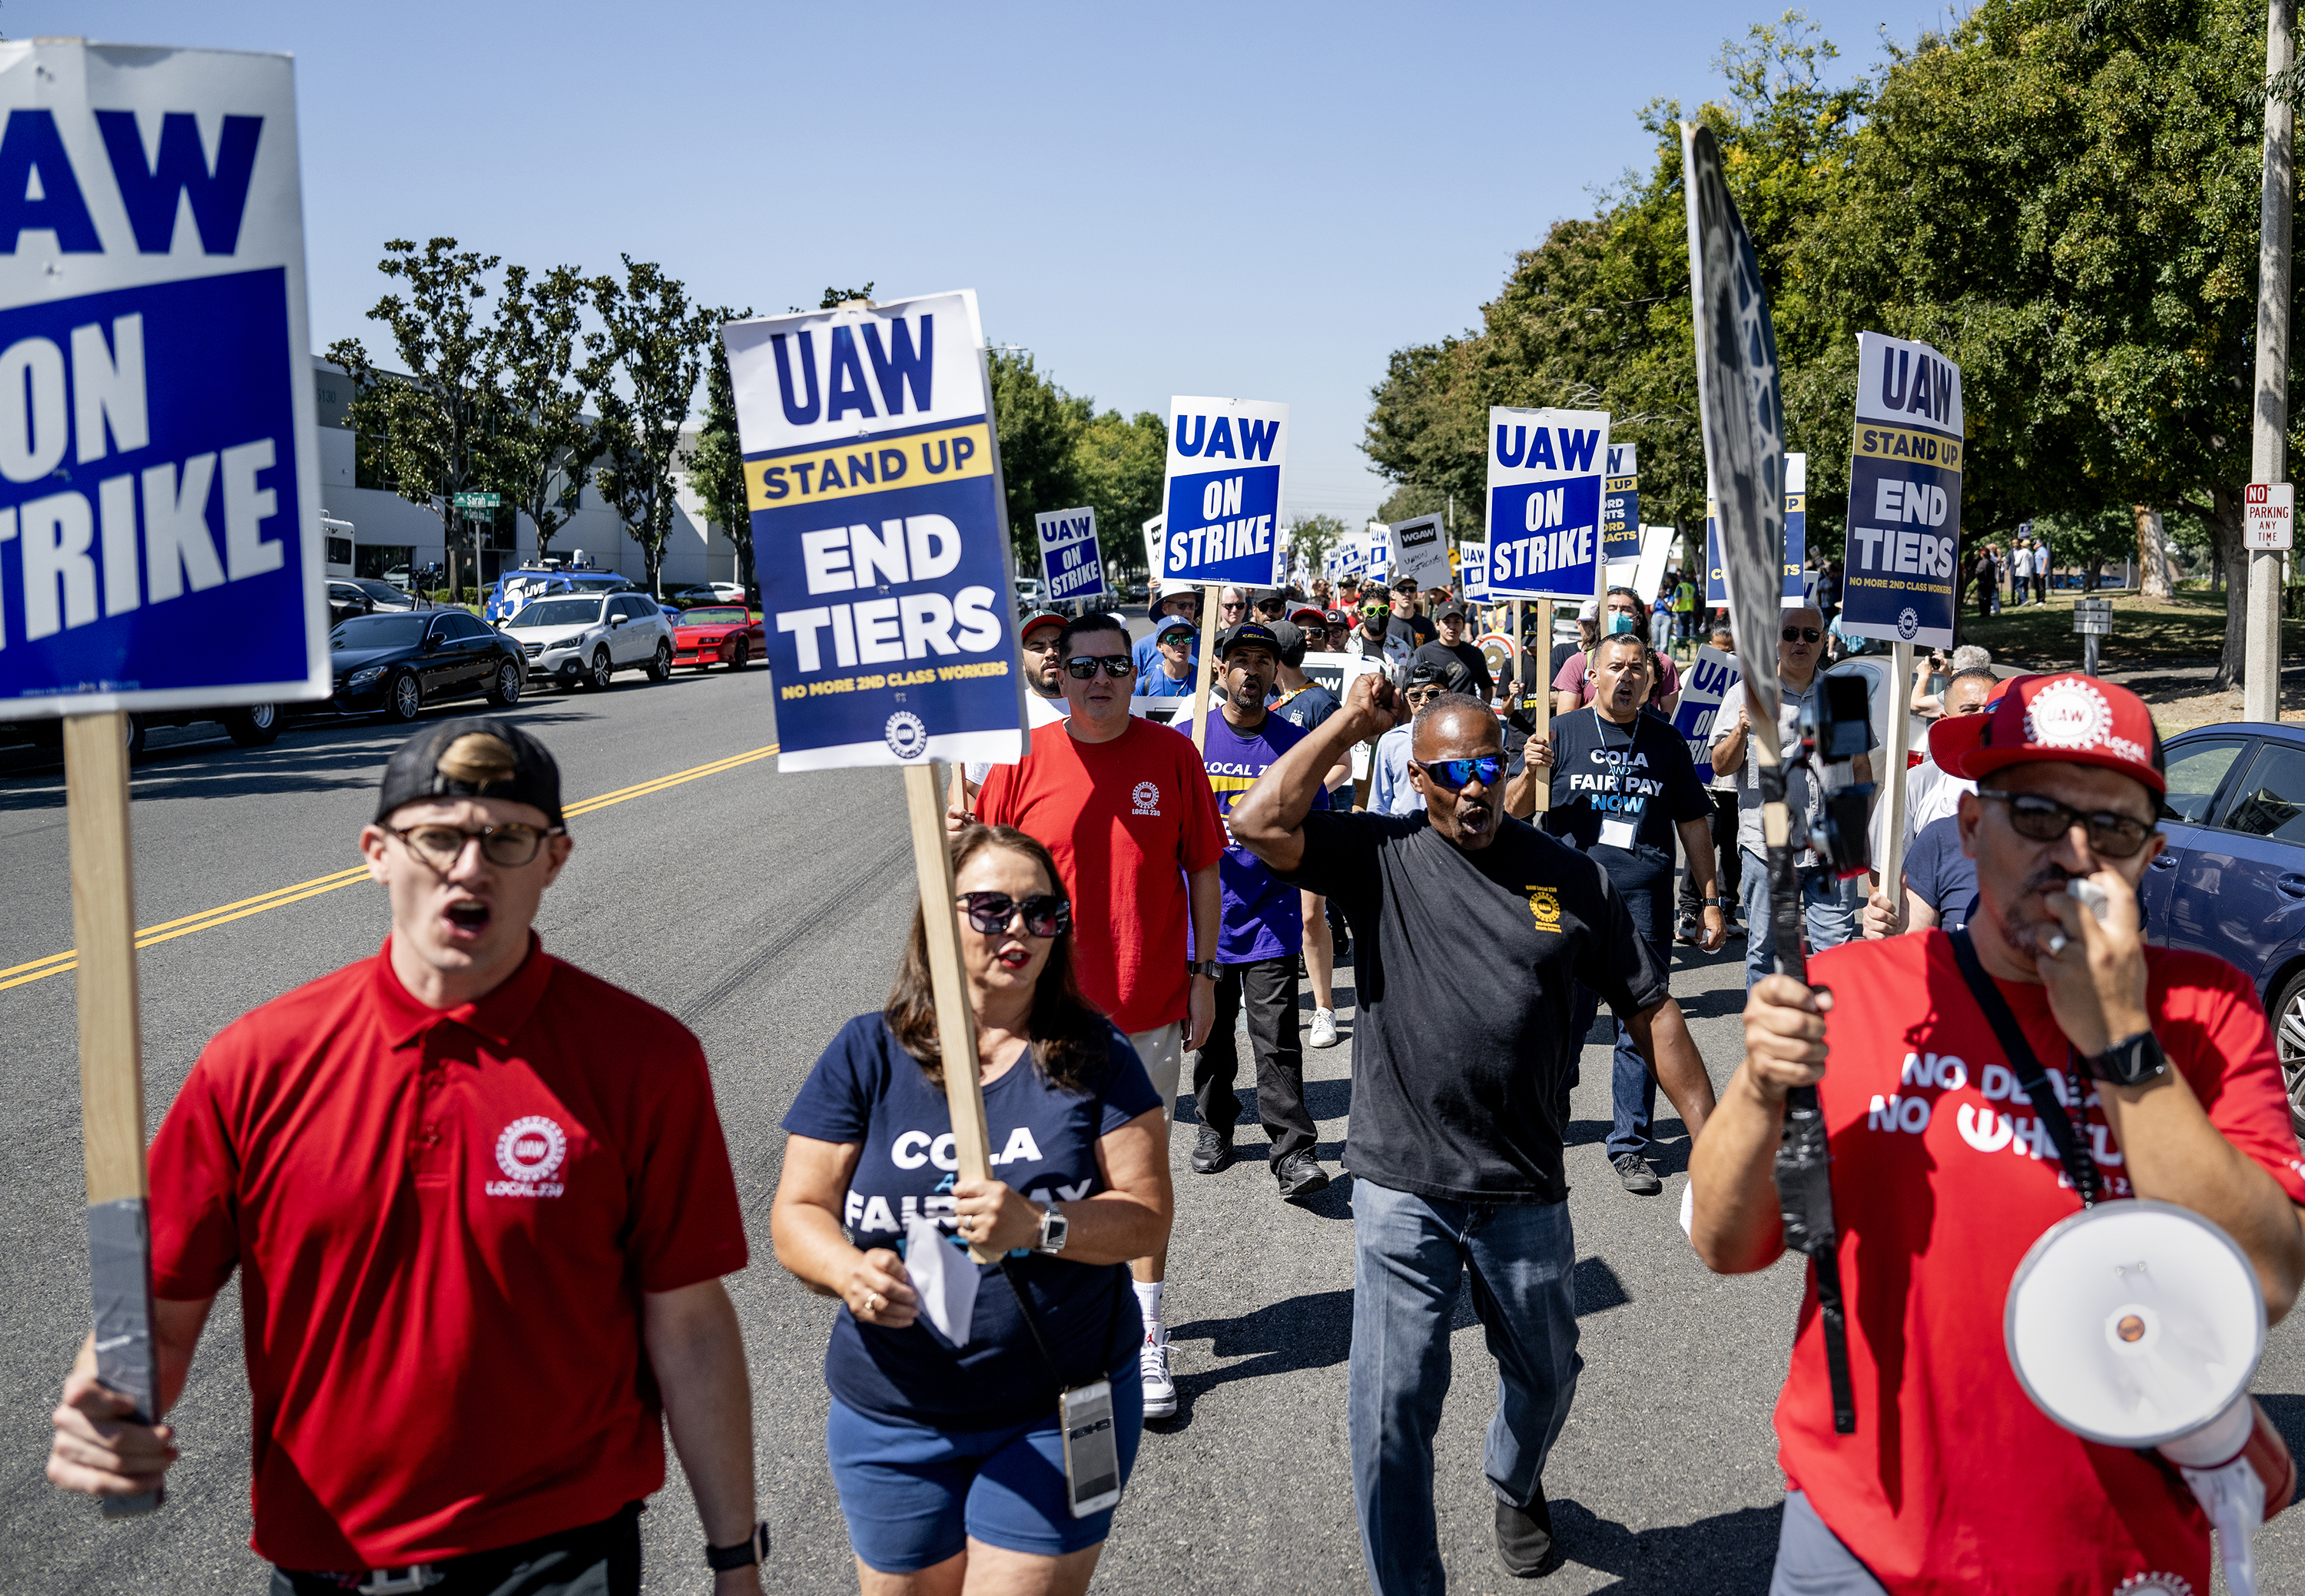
(1983, 1087)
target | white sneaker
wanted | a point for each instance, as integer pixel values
(1152, 1367)
(1325, 1027)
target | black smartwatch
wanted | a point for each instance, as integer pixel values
(751, 1550)
(2136, 1060)
(1205, 967)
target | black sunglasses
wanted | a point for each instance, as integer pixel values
(2045, 820)
(1802, 634)
(1081, 666)
(1046, 914)
(1453, 773)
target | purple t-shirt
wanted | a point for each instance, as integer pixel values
(1262, 916)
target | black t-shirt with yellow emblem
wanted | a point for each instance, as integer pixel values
(1467, 966)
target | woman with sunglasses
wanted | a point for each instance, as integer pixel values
(949, 1460)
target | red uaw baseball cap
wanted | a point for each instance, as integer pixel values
(2066, 719)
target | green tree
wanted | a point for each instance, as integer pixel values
(1412, 500)
(716, 465)
(429, 428)
(545, 443)
(1036, 423)
(647, 358)
(1119, 465)
(1312, 537)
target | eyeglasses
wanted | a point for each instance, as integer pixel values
(1083, 666)
(1800, 634)
(1454, 773)
(1231, 604)
(1376, 607)
(441, 846)
(2045, 820)
(1046, 914)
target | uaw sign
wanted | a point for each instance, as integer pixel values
(1904, 494)
(1704, 689)
(1223, 496)
(1473, 566)
(1545, 477)
(1420, 548)
(1796, 585)
(160, 540)
(1620, 505)
(1069, 560)
(879, 532)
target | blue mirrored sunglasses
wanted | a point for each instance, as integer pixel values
(1453, 773)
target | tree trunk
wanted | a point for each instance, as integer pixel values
(2154, 579)
(2226, 529)
(2095, 570)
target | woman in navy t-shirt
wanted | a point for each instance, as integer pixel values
(953, 1454)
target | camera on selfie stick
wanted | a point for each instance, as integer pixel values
(1834, 728)
(2140, 1324)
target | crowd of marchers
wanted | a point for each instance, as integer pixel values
(462, 1179)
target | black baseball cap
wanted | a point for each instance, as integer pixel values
(478, 756)
(1451, 609)
(1451, 677)
(1336, 617)
(1249, 631)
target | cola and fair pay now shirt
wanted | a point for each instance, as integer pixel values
(1126, 821)
(1263, 914)
(1942, 1180)
(1639, 778)
(1468, 968)
(443, 1221)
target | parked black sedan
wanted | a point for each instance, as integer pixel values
(399, 663)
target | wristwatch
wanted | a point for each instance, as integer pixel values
(1054, 1227)
(2136, 1060)
(1205, 967)
(1714, 902)
(751, 1549)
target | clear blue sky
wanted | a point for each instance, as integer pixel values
(1261, 201)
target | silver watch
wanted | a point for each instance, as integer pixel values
(1053, 1228)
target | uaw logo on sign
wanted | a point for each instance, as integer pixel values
(1223, 496)
(1545, 473)
(1070, 559)
(160, 540)
(529, 1152)
(881, 532)
(1904, 494)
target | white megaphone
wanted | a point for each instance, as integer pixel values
(2140, 1324)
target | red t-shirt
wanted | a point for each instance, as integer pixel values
(1126, 821)
(443, 1221)
(1942, 1180)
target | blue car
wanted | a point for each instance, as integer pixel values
(2232, 881)
(517, 588)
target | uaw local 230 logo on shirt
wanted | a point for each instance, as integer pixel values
(1148, 798)
(531, 1152)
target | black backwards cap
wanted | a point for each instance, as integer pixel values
(478, 756)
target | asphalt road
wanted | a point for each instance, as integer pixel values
(765, 909)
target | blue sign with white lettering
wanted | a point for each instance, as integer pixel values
(1620, 505)
(1070, 559)
(1545, 483)
(881, 533)
(1226, 461)
(159, 494)
(1795, 593)
(1904, 495)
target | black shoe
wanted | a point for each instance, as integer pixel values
(1213, 1151)
(1688, 931)
(1300, 1174)
(1525, 1538)
(1632, 1169)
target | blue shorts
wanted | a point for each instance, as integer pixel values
(914, 1495)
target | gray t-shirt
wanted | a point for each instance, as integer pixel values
(1801, 793)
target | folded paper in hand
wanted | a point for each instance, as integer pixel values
(945, 1277)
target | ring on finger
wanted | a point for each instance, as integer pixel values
(2058, 942)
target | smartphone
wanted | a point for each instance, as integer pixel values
(1092, 1450)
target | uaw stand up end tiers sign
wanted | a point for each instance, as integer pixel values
(159, 500)
(1904, 494)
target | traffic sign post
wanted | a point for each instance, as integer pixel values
(2092, 621)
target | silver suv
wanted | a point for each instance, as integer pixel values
(582, 640)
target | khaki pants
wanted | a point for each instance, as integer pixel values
(1161, 1051)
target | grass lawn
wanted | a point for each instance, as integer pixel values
(2191, 627)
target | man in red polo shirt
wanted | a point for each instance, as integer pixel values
(480, 1206)
(1125, 806)
(1946, 1168)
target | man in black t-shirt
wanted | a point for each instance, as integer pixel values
(1473, 930)
(1405, 610)
(1452, 647)
(1622, 784)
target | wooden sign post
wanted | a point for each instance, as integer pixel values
(1892, 862)
(1539, 701)
(1206, 670)
(111, 1069)
(964, 1094)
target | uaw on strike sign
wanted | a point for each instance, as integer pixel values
(159, 496)
(881, 533)
(1904, 494)
(1545, 470)
(1226, 460)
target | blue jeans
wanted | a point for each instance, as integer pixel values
(1410, 1255)
(1632, 1085)
(1829, 909)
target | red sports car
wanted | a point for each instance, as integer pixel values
(718, 634)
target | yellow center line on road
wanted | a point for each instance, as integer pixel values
(56, 964)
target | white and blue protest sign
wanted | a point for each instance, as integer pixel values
(1705, 687)
(1222, 497)
(1376, 541)
(1473, 566)
(1904, 495)
(1420, 548)
(1156, 545)
(1620, 505)
(880, 531)
(1546, 468)
(1795, 590)
(1069, 561)
(160, 542)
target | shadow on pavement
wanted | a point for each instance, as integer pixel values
(2288, 1416)
(1731, 1554)
(1313, 1331)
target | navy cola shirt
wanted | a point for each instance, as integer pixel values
(1469, 963)
(1640, 775)
(867, 1090)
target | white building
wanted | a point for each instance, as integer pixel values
(390, 534)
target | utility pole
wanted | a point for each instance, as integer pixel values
(2261, 644)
